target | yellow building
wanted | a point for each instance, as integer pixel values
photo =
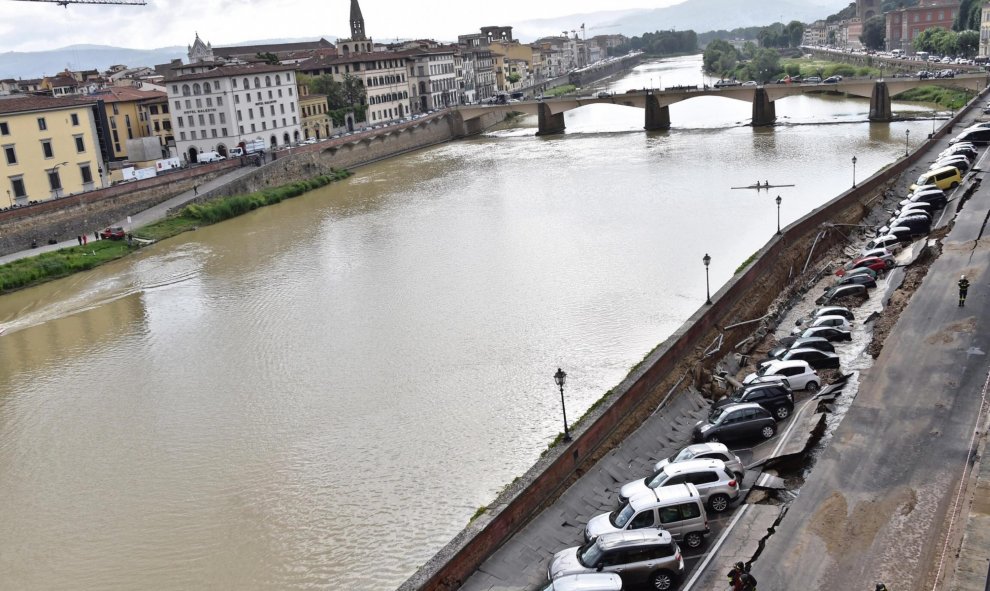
(128, 111)
(50, 148)
(158, 122)
(315, 113)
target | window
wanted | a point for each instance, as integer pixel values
(199, 103)
(185, 90)
(223, 118)
(290, 91)
(253, 128)
(182, 135)
(42, 125)
(213, 120)
(4, 128)
(702, 477)
(209, 101)
(268, 80)
(219, 101)
(202, 120)
(240, 129)
(175, 89)
(250, 113)
(196, 89)
(188, 104)
(53, 180)
(257, 82)
(270, 95)
(75, 119)
(179, 121)
(237, 99)
(178, 105)
(279, 93)
(282, 108)
(223, 131)
(259, 97)
(239, 118)
(278, 79)
(10, 154)
(192, 134)
(86, 172)
(46, 148)
(214, 132)
(264, 125)
(17, 186)
(644, 519)
(271, 108)
(233, 82)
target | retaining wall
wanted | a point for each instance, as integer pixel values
(653, 383)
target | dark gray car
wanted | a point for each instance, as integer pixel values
(736, 421)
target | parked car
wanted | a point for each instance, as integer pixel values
(863, 279)
(834, 311)
(979, 137)
(801, 343)
(841, 292)
(815, 358)
(917, 225)
(586, 582)
(678, 509)
(813, 80)
(717, 486)
(887, 241)
(961, 163)
(922, 206)
(706, 451)
(862, 271)
(823, 320)
(831, 80)
(962, 148)
(775, 397)
(642, 556)
(875, 263)
(113, 233)
(798, 375)
(829, 333)
(736, 421)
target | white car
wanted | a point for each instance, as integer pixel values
(882, 254)
(891, 243)
(707, 451)
(797, 375)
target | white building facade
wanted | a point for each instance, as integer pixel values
(218, 108)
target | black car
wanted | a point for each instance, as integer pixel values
(776, 398)
(746, 420)
(840, 292)
(863, 279)
(829, 333)
(815, 358)
(801, 343)
(974, 136)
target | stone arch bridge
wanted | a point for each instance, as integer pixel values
(657, 103)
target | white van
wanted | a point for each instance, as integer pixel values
(236, 152)
(204, 157)
(677, 509)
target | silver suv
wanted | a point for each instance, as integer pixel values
(716, 485)
(642, 556)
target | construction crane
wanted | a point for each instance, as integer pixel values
(66, 3)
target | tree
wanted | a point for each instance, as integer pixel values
(268, 57)
(348, 93)
(969, 43)
(874, 34)
(720, 57)
(831, 37)
(749, 50)
(764, 65)
(795, 33)
(969, 15)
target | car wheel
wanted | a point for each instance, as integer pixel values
(953, 185)
(888, 263)
(719, 503)
(811, 387)
(694, 540)
(662, 580)
(768, 431)
(782, 412)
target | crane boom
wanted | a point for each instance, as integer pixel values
(66, 3)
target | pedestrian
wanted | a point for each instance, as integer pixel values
(736, 576)
(79, 239)
(748, 581)
(881, 587)
(96, 235)
(195, 189)
(963, 288)
(85, 239)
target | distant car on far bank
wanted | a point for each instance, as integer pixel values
(113, 233)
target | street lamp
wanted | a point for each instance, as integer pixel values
(9, 198)
(854, 172)
(560, 377)
(778, 214)
(708, 291)
(933, 122)
(907, 135)
(54, 178)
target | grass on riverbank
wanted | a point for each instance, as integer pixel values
(60, 263)
(806, 67)
(66, 261)
(224, 208)
(950, 98)
(559, 90)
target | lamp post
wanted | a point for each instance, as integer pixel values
(854, 172)
(708, 291)
(55, 178)
(907, 136)
(9, 198)
(778, 214)
(560, 377)
(933, 122)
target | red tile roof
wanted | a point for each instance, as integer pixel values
(42, 103)
(233, 71)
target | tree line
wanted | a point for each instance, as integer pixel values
(660, 43)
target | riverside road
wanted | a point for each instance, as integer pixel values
(878, 503)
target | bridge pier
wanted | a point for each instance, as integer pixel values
(764, 111)
(657, 117)
(549, 123)
(880, 103)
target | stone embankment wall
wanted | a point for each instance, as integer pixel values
(87, 212)
(70, 216)
(665, 371)
(889, 65)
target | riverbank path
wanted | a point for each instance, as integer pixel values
(143, 218)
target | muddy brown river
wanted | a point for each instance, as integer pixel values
(320, 394)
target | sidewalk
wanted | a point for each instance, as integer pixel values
(143, 218)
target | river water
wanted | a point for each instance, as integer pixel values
(320, 394)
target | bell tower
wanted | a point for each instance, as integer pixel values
(357, 22)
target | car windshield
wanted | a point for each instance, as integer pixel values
(621, 516)
(657, 479)
(923, 179)
(717, 414)
(685, 455)
(763, 370)
(589, 555)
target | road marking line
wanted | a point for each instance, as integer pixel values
(711, 553)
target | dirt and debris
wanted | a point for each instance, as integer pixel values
(913, 277)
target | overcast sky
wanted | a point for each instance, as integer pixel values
(37, 26)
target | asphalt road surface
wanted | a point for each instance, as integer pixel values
(878, 504)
